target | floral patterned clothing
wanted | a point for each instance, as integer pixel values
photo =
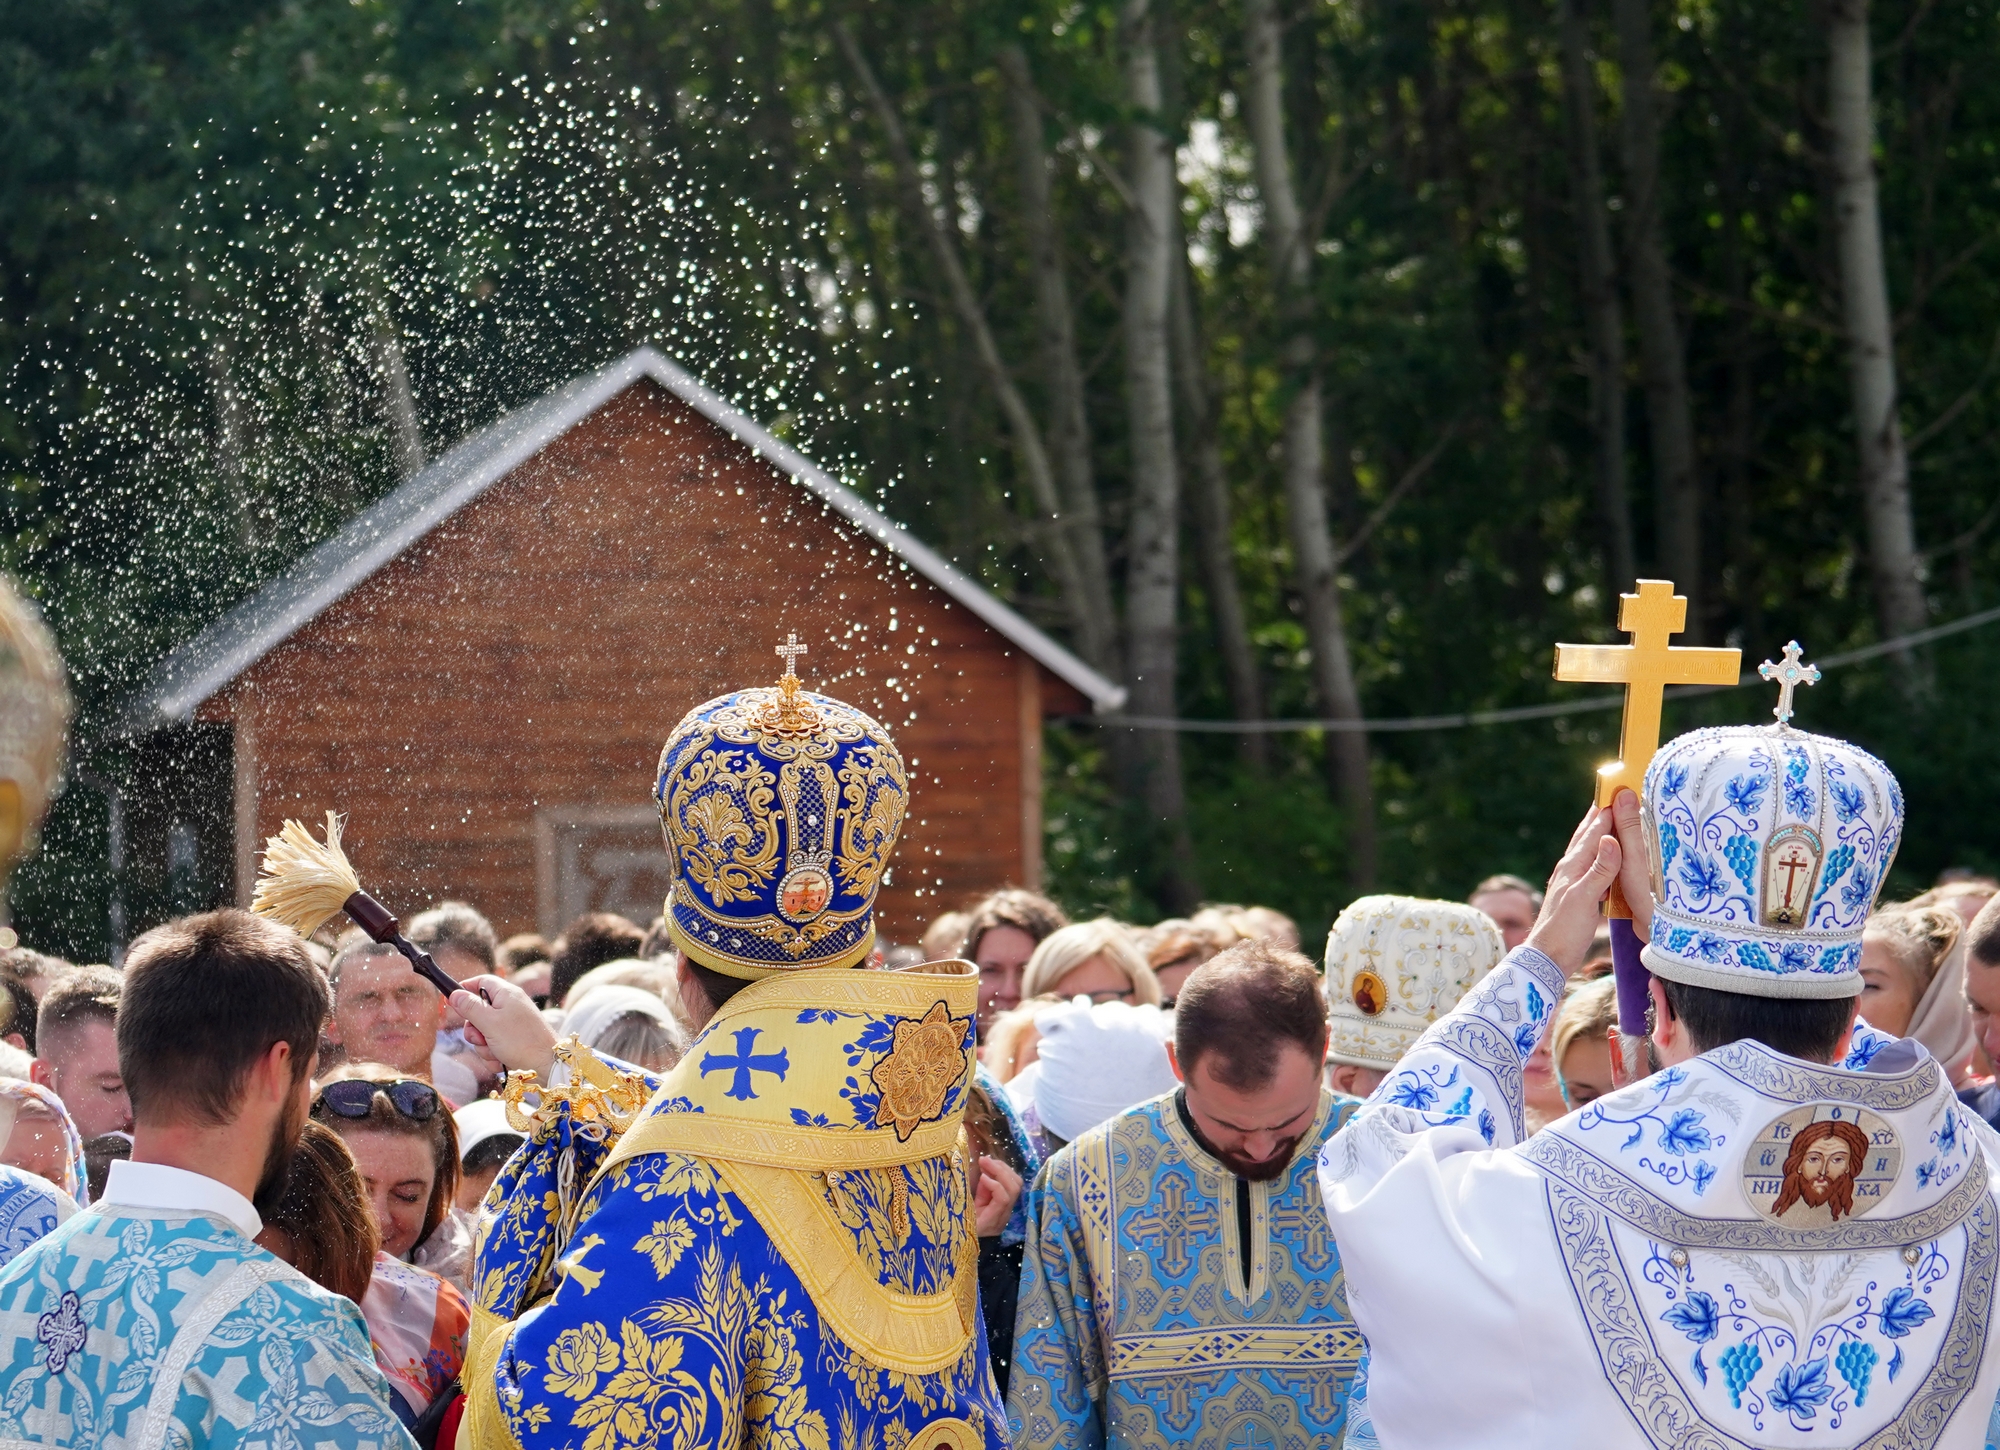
(1756, 1250)
(775, 1289)
(125, 1330)
(416, 1325)
(30, 1210)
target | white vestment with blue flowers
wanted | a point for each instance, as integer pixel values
(119, 1330)
(1656, 1269)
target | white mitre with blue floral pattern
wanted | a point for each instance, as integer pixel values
(1768, 846)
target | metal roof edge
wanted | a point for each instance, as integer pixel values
(1102, 693)
(244, 634)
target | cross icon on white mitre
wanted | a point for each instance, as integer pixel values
(1789, 675)
(790, 650)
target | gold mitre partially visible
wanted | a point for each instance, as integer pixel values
(34, 721)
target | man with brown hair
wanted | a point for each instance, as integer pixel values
(77, 1044)
(1181, 1286)
(156, 1319)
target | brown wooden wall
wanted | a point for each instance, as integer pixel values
(537, 648)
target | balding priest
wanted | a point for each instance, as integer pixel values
(1785, 1237)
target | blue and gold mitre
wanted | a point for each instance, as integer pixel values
(780, 808)
(1769, 846)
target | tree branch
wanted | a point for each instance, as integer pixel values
(1404, 485)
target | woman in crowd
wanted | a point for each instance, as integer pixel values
(1094, 959)
(628, 1023)
(1580, 1041)
(1001, 934)
(402, 1137)
(1913, 982)
(322, 1225)
(1173, 949)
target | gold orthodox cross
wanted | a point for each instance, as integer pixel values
(1645, 667)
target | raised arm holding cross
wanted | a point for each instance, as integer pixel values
(1645, 667)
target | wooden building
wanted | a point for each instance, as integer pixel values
(481, 668)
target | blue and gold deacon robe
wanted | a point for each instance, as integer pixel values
(779, 1253)
(1164, 1301)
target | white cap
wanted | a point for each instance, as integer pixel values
(1394, 965)
(478, 1121)
(1098, 1060)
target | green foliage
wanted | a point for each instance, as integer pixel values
(224, 206)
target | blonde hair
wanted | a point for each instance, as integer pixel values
(1920, 936)
(1175, 940)
(1225, 924)
(1062, 952)
(1588, 1012)
(1007, 1033)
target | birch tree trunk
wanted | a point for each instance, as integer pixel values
(1314, 557)
(1152, 581)
(1208, 500)
(1676, 487)
(399, 401)
(1603, 326)
(1093, 631)
(1864, 295)
(1069, 440)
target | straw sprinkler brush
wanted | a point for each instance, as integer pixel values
(303, 884)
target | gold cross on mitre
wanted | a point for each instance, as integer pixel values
(1645, 667)
(790, 713)
(1789, 675)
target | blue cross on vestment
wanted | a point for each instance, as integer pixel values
(746, 1062)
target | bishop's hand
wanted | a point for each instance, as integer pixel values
(1569, 918)
(504, 1020)
(1634, 875)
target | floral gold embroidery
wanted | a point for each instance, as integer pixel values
(927, 1058)
(666, 1243)
(578, 1357)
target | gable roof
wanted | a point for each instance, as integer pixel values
(379, 533)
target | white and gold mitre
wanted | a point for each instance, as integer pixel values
(34, 718)
(1394, 965)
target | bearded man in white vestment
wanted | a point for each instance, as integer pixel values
(1786, 1237)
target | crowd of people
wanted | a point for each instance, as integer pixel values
(1077, 1024)
(751, 1173)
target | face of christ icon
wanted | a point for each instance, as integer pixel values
(1819, 1174)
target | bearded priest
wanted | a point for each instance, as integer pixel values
(1180, 1286)
(1786, 1237)
(781, 1249)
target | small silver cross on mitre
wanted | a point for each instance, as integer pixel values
(790, 650)
(1789, 675)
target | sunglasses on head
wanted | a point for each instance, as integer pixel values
(353, 1098)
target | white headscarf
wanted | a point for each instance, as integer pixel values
(605, 1005)
(1942, 1022)
(1098, 1060)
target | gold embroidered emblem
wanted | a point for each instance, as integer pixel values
(927, 1057)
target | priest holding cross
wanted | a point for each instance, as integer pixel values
(1788, 1234)
(1645, 667)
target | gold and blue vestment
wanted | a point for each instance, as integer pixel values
(779, 1253)
(1142, 1321)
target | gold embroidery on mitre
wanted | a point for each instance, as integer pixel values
(927, 1058)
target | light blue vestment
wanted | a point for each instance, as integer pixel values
(122, 1330)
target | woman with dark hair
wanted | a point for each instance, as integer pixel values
(319, 1221)
(405, 1148)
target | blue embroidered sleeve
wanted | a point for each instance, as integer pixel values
(1465, 1071)
(1058, 1376)
(1993, 1428)
(1861, 1049)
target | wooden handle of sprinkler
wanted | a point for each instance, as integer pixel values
(381, 925)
